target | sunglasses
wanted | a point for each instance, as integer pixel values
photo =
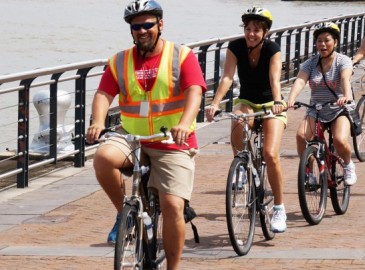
(145, 26)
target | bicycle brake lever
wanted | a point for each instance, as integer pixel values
(164, 129)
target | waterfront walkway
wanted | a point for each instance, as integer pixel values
(61, 220)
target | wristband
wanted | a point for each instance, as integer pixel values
(278, 102)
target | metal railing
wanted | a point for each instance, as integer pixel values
(296, 44)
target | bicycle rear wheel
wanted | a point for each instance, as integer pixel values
(240, 207)
(362, 82)
(266, 204)
(157, 257)
(312, 195)
(340, 193)
(128, 247)
(359, 141)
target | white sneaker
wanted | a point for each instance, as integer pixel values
(350, 174)
(312, 180)
(278, 221)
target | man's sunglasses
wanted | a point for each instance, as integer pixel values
(145, 26)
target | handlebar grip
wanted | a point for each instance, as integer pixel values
(217, 112)
(106, 130)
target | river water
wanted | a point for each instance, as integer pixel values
(43, 33)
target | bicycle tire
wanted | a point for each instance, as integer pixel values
(240, 207)
(359, 141)
(362, 82)
(340, 193)
(157, 252)
(266, 204)
(312, 197)
(128, 246)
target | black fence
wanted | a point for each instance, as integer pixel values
(81, 79)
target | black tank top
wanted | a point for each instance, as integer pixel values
(255, 82)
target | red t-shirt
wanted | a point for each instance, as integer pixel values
(146, 72)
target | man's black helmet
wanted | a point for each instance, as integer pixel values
(139, 7)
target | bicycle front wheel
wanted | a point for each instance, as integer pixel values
(240, 206)
(312, 186)
(340, 193)
(266, 204)
(359, 141)
(128, 246)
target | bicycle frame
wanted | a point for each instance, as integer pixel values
(134, 206)
(244, 201)
(321, 158)
(325, 150)
(252, 153)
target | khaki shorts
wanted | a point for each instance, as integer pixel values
(258, 107)
(172, 172)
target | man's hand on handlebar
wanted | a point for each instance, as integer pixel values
(180, 134)
(93, 133)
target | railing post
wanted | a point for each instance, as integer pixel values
(53, 103)
(217, 77)
(80, 103)
(306, 44)
(342, 47)
(358, 33)
(217, 67)
(298, 47)
(287, 54)
(353, 35)
(202, 58)
(23, 134)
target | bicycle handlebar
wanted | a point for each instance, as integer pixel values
(164, 135)
(358, 65)
(317, 106)
(264, 114)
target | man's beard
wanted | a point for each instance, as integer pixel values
(145, 46)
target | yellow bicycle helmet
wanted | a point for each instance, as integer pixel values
(327, 27)
(258, 13)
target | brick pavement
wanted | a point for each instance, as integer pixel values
(72, 234)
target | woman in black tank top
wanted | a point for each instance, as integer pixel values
(258, 62)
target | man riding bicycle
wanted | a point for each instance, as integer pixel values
(159, 84)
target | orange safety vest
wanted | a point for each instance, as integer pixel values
(165, 100)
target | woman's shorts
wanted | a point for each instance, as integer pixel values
(172, 172)
(258, 107)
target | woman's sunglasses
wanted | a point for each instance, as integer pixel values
(145, 26)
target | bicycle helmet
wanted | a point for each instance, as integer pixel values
(258, 13)
(327, 27)
(139, 7)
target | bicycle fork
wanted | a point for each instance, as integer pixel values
(321, 156)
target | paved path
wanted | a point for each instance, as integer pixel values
(61, 220)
